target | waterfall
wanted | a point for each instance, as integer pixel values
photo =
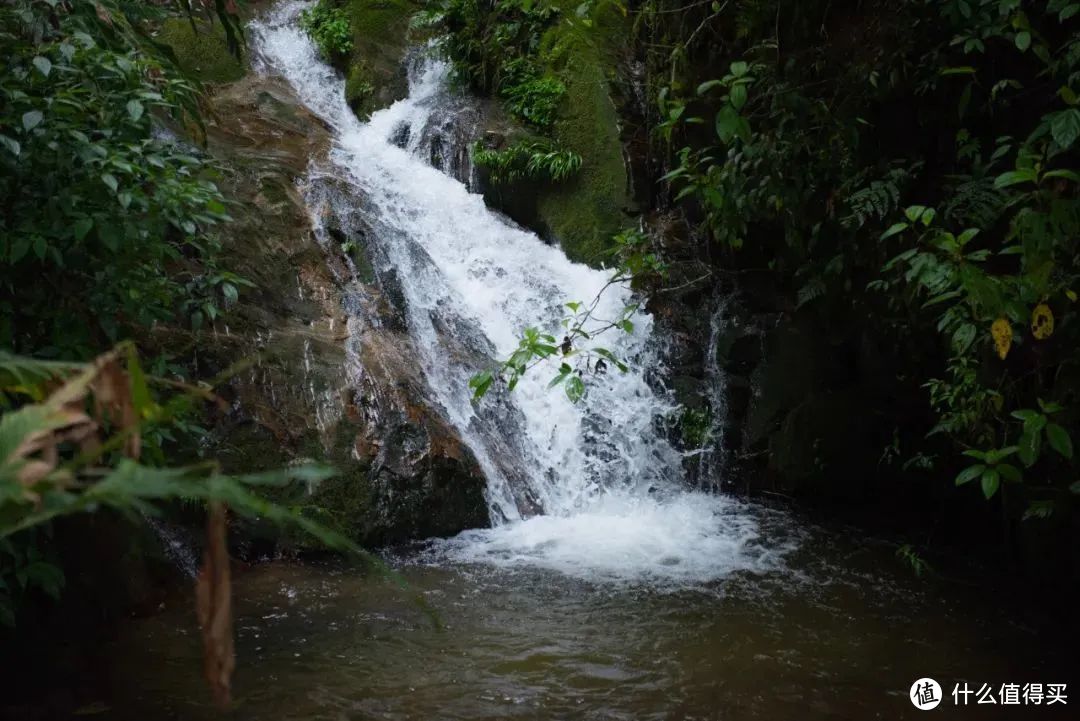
(714, 455)
(177, 549)
(592, 489)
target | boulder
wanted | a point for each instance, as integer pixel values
(317, 367)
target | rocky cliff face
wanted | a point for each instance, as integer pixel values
(319, 369)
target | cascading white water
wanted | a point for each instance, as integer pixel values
(607, 481)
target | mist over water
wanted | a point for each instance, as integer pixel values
(609, 486)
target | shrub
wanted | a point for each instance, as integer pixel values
(329, 27)
(536, 100)
(532, 160)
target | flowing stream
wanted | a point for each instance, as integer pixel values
(605, 589)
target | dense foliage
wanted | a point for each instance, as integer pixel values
(108, 208)
(329, 28)
(534, 160)
(78, 438)
(818, 150)
(99, 196)
(497, 48)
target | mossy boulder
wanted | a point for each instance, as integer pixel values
(587, 210)
(374, 71)
(583, 212)
(822, 446)
(201, 50)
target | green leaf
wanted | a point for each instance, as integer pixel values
(1065, 174)
(1023, 40)
(914, 212)
(110, 180)
(45, 576)
(575, 388)
(1009, 472)
(140, 393)
(991, 479)
(738, 96)
(564, 371)
(707, 86)
(1051, 407)
(43, 64)
(19, 248)
(1030, 446)
(996, 455)
(1025, 415)
(605, 353)
(969, 474)
(727, 123)
(967, 235)
(81, 227)
(963, 337)
(1014, 177)
(480, 383)
(135, 109)
(1059, 440)
(11, 144)
(962, 70)
(1065, 127)
(230, 293)
(31, 120)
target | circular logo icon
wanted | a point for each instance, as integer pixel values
(925, 694)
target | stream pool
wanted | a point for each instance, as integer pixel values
(841, 632)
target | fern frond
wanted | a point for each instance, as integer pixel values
(20, 374)
(975, 203)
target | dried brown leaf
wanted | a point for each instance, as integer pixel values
(112, 401)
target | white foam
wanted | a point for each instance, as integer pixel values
(689, 538)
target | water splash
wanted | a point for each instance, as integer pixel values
(714, 454)
(178, 549)
(607, 482)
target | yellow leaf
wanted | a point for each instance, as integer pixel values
(1042, 321)
(1071, 295)
(1002, 334)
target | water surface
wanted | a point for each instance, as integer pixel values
(839, 634)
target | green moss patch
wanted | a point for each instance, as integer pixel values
(373, 72)
(586, 211)
(202, 51)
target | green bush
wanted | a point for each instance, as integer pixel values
(921, 193)
(329, 27)
(483, 39)
(106, 212)
(532, 160)
(536, 100)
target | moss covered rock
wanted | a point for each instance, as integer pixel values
(202, 50)
(586, 211)
(374, 72)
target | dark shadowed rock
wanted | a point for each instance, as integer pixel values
(322, 367)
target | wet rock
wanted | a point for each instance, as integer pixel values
(823, 447)
(326, 371)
